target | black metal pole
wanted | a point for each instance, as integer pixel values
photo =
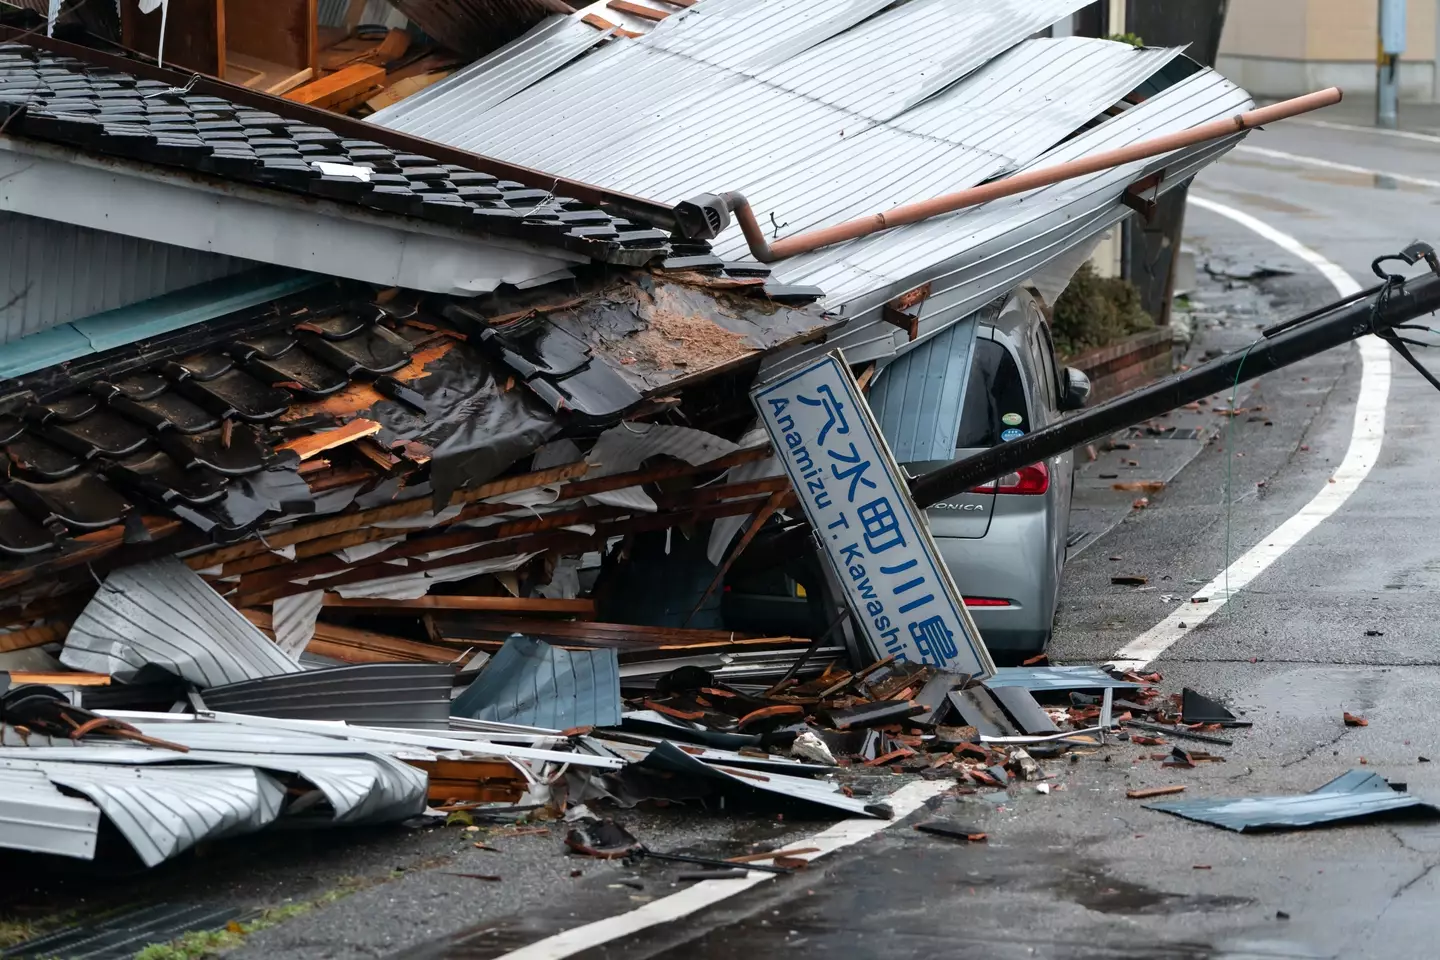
(1374, 311)
(1289, 344)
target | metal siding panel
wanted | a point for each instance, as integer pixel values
(37, 817)
(533, 683)
(66, 272)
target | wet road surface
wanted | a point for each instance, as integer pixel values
(1343, 621)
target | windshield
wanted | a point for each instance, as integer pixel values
(994, 400)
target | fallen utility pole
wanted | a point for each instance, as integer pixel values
(1379, 310)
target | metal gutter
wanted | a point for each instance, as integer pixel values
(803, 243)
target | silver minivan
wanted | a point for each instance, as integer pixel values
(1005, 542)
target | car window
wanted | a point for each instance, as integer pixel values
(995, 398)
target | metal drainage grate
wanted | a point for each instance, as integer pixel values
(120, 936)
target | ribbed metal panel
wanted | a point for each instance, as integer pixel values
(971, 257)
(162, 613)
(536, 684)
(825, 114)
(376, 694)
(163, 811)
(331, 13)
(52, 272)
(918, 398)
(36, 816)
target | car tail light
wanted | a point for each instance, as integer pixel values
(987, 602)
(1031, 480)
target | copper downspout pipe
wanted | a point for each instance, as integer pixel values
(766, 252)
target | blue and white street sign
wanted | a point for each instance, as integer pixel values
(859, 506)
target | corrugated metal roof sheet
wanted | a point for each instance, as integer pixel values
(822, 115)
(1354, 795)
(52, 272)
(162, 613)
(533, 683)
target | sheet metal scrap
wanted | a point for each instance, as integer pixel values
(162, 613)
(533, 683)
(669, 760)
(378, 694)
(1356, 795)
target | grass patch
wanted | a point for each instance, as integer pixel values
(15, 932)
(199, 944)
(1097, 311)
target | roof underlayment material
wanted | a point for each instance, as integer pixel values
(795, 119)
(162, 613)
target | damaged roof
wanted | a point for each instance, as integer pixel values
(794, 119)
(299, 407)
(64, 100)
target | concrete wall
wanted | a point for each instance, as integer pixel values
(1282, 48)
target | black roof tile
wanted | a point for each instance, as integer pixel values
(82, 502)
(98, 109)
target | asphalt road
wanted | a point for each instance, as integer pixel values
(1343, 621)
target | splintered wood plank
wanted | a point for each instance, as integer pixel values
(317, 443)
(600, 23)
(393, 47)
(399, 90)
(353, 645)
(267, 75)
(339, 86)
(33, 637)
(636, 10)
(529, 605)
(394, 511)
(60, 679)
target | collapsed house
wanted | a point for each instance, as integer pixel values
(300, 425)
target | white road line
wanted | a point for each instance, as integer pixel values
(1332, 165)
(904, 802)
(1366, 437)
(1360, 128)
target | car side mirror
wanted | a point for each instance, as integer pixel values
(1076, 391)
